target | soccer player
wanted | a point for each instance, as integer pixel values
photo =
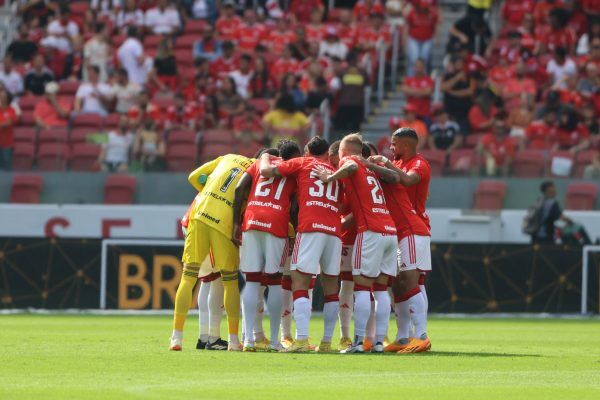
(210, 228)
(264, 239)
(374, 257)
(412, 171)
(317, 241)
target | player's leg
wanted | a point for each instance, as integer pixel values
(260, 341)
(287, 307)
(252, 263)
(346, 296)
(195, 251)
(371, 325)
(330, 271)
(389, 267)
(305, 258)
(275, 258)
(227, 262)
(215, 312)
(203, 315)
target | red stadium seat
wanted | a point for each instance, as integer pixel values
(436, 159)
(53, 135)
(153, 40)
(163, 102)
(84, 157)
(181, 157)
(111, 121)
(23, 156)
(184, 57)
(26, 118)
(472, 140)
(91, 120)
(489, 195)
(561, 154)
(222, 136)
(528, 164)
(261, 105)
(194, 26)
(582, 160)
(79, 135)
(187, 137)
(25, 134)
(211, 151)
(187, 41)
(79, 7)
(119, 189)
(28, 102)
(26, 189)
(581, 196)
(52, 157)
(68, 88)
(462, 161)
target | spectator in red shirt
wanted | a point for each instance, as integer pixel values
(52, 112)
(225, 64)
(515, 87)
(262, 84)
(541, 134)
(422, 20)
(301, 9)
(513, 11)
(559, 34)
(281, 36)
(482, 113)
(364, 8)
(181, 115)
(249, 33)
(377, 34)
(143, 110)
(418, 89)
(497, 148)
(247, 128)
(8, 118)
(286, 64)
(542, 10)
(316, 29)
(228, 23)
(347, 30)
(572, 135)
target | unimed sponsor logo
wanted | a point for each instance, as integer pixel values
(259, 223)
(324, 227)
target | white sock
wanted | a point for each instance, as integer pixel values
(330, 315)
(274, 306)
(177, 334)
(346, 306)
(203, 311)
(234, 339)
(259, 333)
(362, 310)
(418, 314)
(371, 324)
(382, 314)
(302, 317)
(286, 313)
(215, 309)
(249, 302)
(402, 320)
(424, 292)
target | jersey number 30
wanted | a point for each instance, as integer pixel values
(318, 190)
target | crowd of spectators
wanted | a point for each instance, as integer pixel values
(258, 75)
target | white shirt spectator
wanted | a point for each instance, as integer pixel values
(200, 9)
(131, 57)
(242, 82)
(559, 73)
(118, 147)
(337, 49)
(13, 81)
(106, 7)
(59, 35)
(125, 96)
(162, 22)
(126, 19)
(96, 52)
(90, 96)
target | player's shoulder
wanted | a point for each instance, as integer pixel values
(237, 159)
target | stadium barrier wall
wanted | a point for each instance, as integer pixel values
(55, 273)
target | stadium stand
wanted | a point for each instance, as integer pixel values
(581, 196)
(489, 195)
(119, 189)
(26, 189)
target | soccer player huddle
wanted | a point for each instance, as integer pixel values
(340, 212)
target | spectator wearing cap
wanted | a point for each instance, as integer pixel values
(331, 45)
(363, 9)
(458, 87)
(8, 119)
(129, 15)
(351, 84)
(418, 89)
(444, 134)
(228, 23)
(560, 67)
(93, 96)
(97, 51)
(242, 76)
(249, 33)
(61, 31)
(38, 76)
(497, 148)
(10, 78)
(52, 111)
(472, 32)
(22, 49)
(410, 120)
(163, 19)
(124, 92)
(208, 47)
(132, 58)
(422, 20)
(301, 9)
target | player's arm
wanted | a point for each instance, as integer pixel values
(267, 168)
(196, 178)
(390, 173)
(343, 172)
(239, 198)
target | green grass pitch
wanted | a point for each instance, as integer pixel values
(126, 357)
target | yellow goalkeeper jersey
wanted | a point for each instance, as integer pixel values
(214, 207)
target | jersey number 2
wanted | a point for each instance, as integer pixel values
(263, 189)
(375, 192)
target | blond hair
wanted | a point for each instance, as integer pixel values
(354, 139)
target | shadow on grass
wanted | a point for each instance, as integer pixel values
(427, 354)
